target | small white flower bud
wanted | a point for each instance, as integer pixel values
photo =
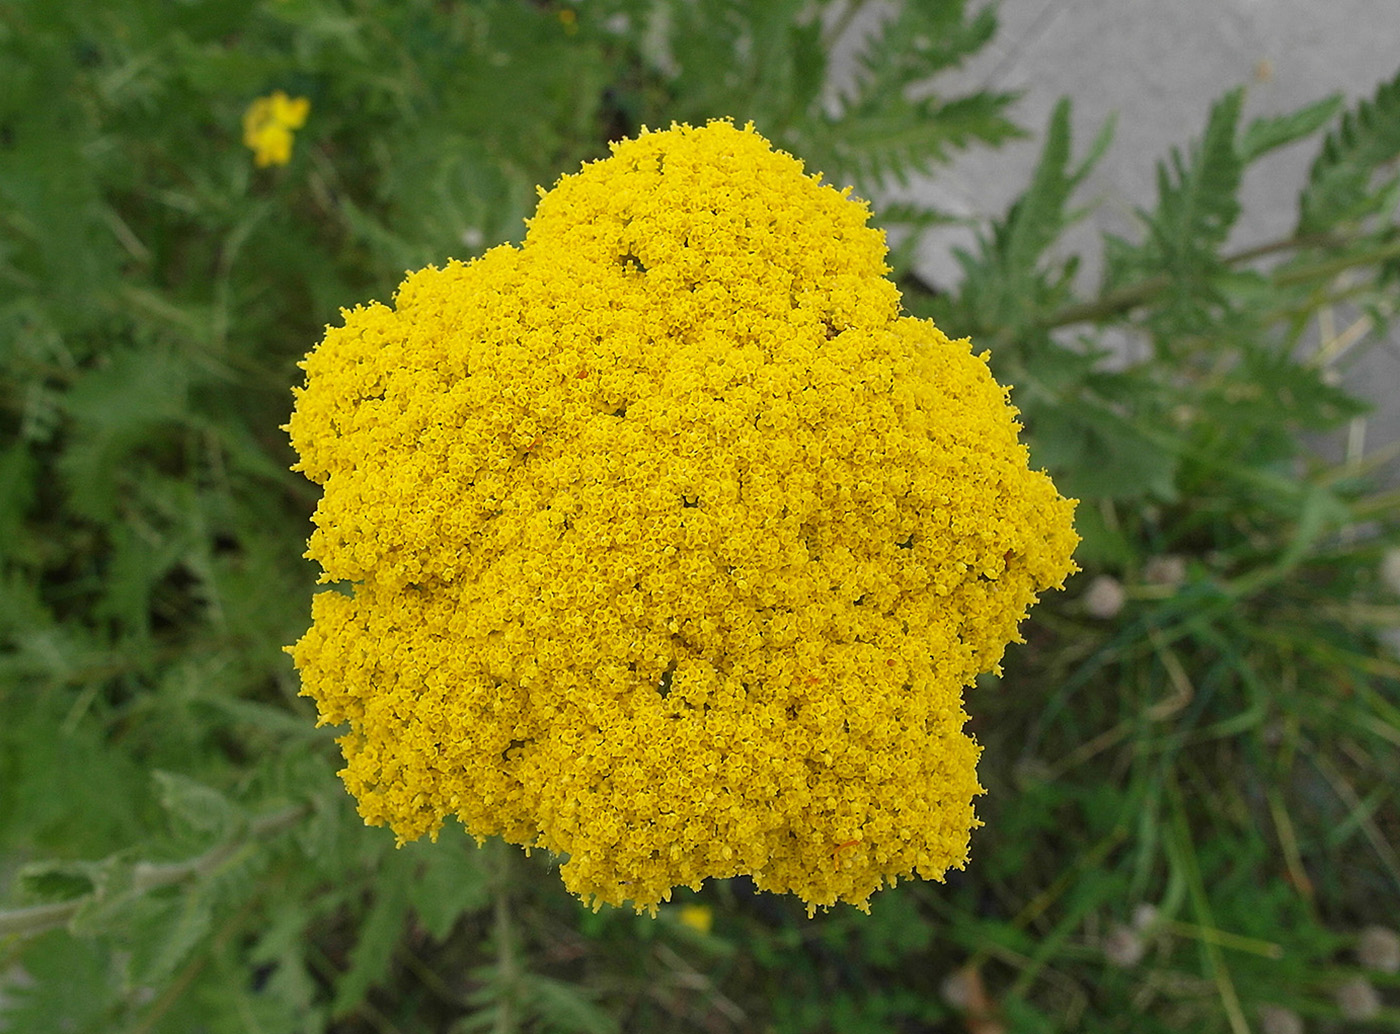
(1358, 1000)
(1390, 639)
(1379, 948)
(1124, 947)
(1031, 772)
(1144, 915)
(1165, 570)
(1104, 598)
(959, 990)
(1275, 1019)
(1390, 570)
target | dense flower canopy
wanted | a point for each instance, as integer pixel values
(668, 544)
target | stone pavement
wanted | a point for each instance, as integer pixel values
(1160, 64)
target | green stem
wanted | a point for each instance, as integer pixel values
(507, 959)
(148, 876)
(1110, 304)
(1183, 851)
(25, 922)
(1327, 270)
(1126, 298)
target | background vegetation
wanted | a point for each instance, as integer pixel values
(1192, 765)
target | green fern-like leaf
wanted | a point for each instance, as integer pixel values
(905, 138)
(1005, 282)
(116, 409)
(892, 126)
(921, 40)
(1197, 203)
(1339, 185)
(910, 221)
(450, 880)
(566, 1007)
(1097, 450)
(1267, 134)
(771, 55)
(378, 937)
(1039, 217)
(70, 984)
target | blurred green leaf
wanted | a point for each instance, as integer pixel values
(1102, 454)
(1196, 195)
(566, 1007)
(56, 880)
(1267, 134)
(450, 880)
(66, 988)
(1005, 283)
(196, 808)
(1339, 186)
(378, 938)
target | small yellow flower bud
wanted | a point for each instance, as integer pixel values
(268, 127)
(698, 917)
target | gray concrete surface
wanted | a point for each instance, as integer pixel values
(1159, 64)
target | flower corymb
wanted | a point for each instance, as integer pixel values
(667, 543)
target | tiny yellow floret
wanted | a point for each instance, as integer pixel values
(667, 542)
(269, 125)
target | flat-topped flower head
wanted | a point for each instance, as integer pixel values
(669, 543)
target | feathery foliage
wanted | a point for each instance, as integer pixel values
(1340, 186)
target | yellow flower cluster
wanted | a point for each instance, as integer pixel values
(269, 124)
(669, 543)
